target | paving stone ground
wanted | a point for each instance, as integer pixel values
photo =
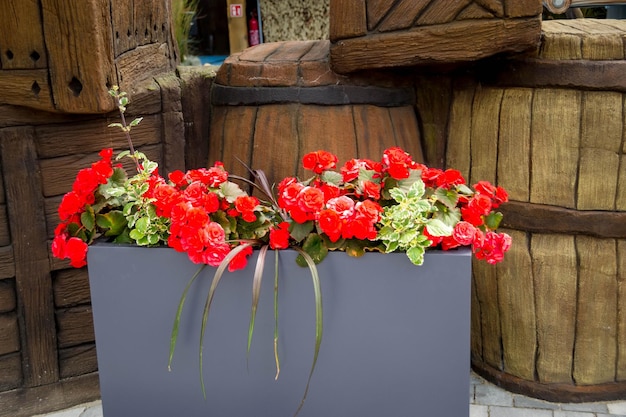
(485, 399)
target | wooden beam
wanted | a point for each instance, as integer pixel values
(25, 402)
(32, 270)
(80, 53)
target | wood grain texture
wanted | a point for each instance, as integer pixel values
(5, 235)
(78, 360)
(445, 43)
(484, 133)
(8, 300)
(620, 200)
(620, 373)
(555, 281)
(7, 264)
(600, 142)
(71, 287)
(123, 26)
(376, 10)
(402, 15)
(486, 282)
(349, 19)
(59, 173)
(75, 326)
(542, 218)
(81, 59)
(9, 334)
(555, 146)
(91, 136)
(10, 373)
(33, 283)
(373, 127)
(433, 98)
(275, 134)
(26, 88)
(516, 301)
(596, 315)
(513, 166)
(440, 12)
(21, 32)
(25, 402)
(142, 63)
(238, 140)
(196, 106)
(459, 130)
(406, 131)
(339, 135)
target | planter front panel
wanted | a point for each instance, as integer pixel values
(395, 343)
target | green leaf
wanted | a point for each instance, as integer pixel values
(116, 125)
(355, 247)
(416, 255)
(315, 246)
(276, 359)
(332, 177)
(136, 121)
(299, 231)
(317, 290)
(142, 225)
(123, 237)
(256, 292)
(438, 228)
(179, 311)
(449, 198)
(219, 272)
(492, 221)
(231, 191)
(368, 175)
(417, 189)
(114, 221)
(397, 194)
(88, 219)
(136, 235)
(407, 183)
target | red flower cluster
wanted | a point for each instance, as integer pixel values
(472, 230)
(339, 214)
(203, 214)
(190, 201)
(74, 204)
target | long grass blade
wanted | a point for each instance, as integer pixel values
(276, 359)
(179, 311)
(256, 292)
(318, 320)
(219, 272)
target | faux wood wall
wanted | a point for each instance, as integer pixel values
(549, 321)
(62, 55)
(47, 350)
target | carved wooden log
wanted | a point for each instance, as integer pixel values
(60, 55)
(548, 321)
(275, 102)
(384, 34)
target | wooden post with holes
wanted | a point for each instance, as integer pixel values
(64, 55)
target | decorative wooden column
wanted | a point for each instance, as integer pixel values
(63, 56)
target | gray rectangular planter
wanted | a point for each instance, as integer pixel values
(395, 343)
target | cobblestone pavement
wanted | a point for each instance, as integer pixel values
(486, 400)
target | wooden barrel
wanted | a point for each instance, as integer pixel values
(275, 102)
(550, 321)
